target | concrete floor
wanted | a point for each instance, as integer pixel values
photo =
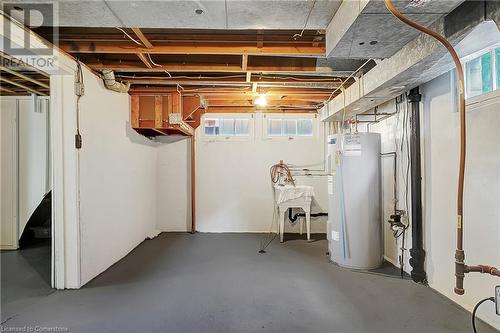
(219, 283)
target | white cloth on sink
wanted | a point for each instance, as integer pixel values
(290, 192)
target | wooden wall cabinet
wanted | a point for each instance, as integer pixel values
(155, 112)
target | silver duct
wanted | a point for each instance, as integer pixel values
(111, 83)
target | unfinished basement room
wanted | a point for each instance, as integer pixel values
(220, 166)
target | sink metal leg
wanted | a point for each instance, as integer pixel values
(281, 224)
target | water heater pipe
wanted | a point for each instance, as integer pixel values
(460, 267)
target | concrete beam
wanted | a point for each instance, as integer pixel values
(366, 29)
(343, 20)
(419, 61)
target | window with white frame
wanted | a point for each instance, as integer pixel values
(289, 127)
(226, 127)
(482, 73)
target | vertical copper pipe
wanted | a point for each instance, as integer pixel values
(459, 254)
(193, 184)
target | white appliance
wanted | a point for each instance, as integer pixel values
(354, 228)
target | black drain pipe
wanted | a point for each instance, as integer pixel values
(417, 252)
(294, 218)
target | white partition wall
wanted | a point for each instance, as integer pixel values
(25, 162)
(33, 155)
(8, 174)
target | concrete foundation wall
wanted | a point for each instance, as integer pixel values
(440, 149)
(482, 192)
(234, 192)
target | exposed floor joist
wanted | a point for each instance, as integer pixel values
(175, 41)
(253, 61)
(19, 80)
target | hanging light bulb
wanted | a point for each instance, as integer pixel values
(260, 100)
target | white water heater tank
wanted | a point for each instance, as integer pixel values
(354, 228)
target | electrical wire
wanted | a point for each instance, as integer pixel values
(270, 236)
(226, 76)
(331, 79)
(181, 76)
(158, 65)
(131, 38)
(276, 172)
(79, 79)
(473, 317)
(152, 62)
(403, 148)
(305, 23)
(344, 81)
(405, 139)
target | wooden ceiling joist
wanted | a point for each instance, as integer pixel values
(158, 35)
(244, 62)
(12, 60)
(282, 98)
(24, 77)
(7, 90)
(225, 68)
(270, 103)
(201, 63)
(144, 60)
(192, 48)
(142, 38)
(21, 85)
(252, 109)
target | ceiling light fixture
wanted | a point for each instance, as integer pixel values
(260, 100)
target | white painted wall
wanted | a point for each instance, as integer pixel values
(440, 135)
(34, 161)
(8, 174)
(25, 162)
(118, 184)
(174, 183)
(233, 189)
(391, 130)
(482, 192)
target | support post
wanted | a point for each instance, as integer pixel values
(193, 184)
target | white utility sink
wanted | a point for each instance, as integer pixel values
(289, 196)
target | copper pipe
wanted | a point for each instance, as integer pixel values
(483, 269)
(460, 267)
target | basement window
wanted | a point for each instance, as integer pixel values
(482, 73)
(290, 127)
(226, 127)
